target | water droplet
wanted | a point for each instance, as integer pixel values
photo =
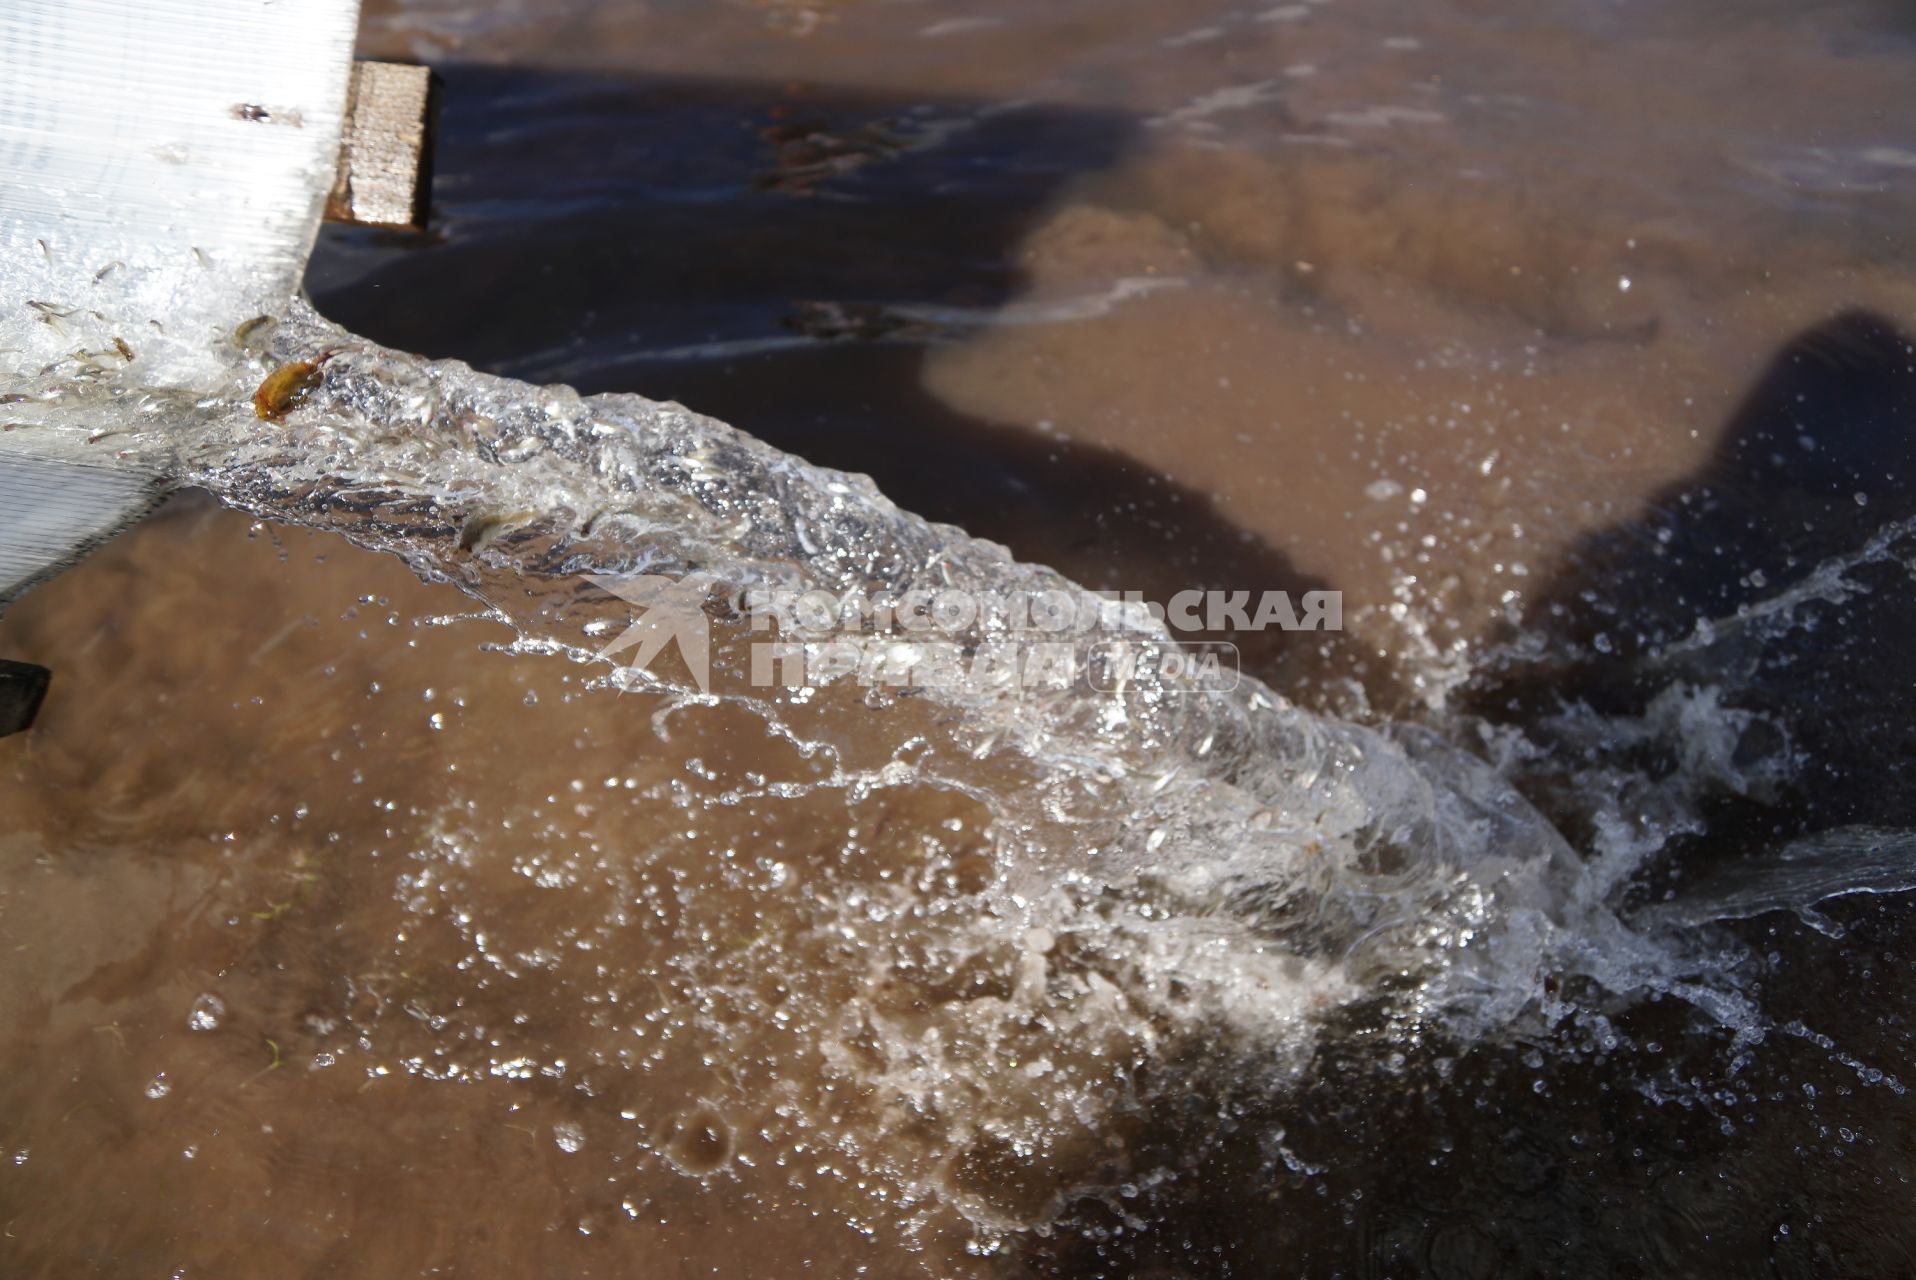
(206, 1014)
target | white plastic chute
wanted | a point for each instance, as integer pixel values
(165, 166)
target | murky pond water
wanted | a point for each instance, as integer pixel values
(357, 929)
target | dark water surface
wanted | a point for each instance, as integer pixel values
(1543, 332)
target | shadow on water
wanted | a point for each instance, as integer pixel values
(1640, 1144)
(784, 258)
(1816, 467)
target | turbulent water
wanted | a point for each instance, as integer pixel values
(381, 923)
(1117, 875)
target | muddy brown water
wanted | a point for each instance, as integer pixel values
(341, 944)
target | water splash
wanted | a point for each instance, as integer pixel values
(1155, 865)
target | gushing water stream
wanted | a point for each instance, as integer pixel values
(1121, 874)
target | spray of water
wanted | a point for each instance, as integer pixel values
(1144, 866)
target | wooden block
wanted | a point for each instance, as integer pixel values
(385, 169)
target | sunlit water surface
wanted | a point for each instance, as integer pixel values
(367, 927)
